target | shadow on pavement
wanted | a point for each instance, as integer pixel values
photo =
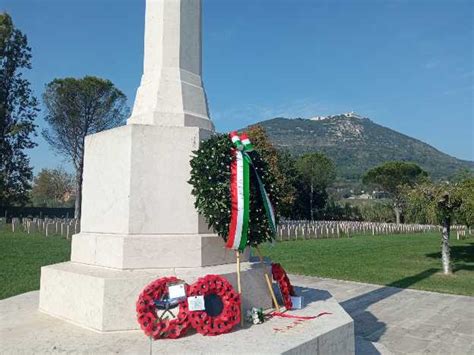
(368, 328)
(311, 295)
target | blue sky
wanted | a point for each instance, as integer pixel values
(406, 64)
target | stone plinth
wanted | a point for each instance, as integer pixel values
(139, 223)
(135, 181)
(138, 211)
(104, 299)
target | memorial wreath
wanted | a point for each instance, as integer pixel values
(155, 297)
(152, 324)
(229, 315)
(233, 189)
(286, 289)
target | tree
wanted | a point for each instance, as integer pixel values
(465, 212)
(281, 165)
(392, 177)
(18, 110)
(53, 188)
(336, 211)
(441, 203)
(288, 182)
(76, 108)
(316, 173)
(377, 212)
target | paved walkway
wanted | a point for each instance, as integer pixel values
(390, 320)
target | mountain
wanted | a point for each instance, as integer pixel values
(356, 144)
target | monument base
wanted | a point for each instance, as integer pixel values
(104, 299)
(24, 330)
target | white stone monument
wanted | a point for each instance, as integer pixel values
(139, 221)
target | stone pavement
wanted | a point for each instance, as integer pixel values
(391, 320)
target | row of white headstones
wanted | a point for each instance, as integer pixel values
(293, 230)
(287, 230)
(65, 227)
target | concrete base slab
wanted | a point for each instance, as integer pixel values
(104, 299)
(25, 330)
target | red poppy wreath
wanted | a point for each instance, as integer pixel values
(228, 317)
(207, 324)
(156, 326)
(280, 276)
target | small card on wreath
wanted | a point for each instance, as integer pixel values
(297, 302)
(176, 290)
(196, 303)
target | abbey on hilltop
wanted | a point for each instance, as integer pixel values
(351, 114)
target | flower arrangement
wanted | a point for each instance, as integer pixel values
(212, 178)
(158, 326)
(230, 314)
(161, 327)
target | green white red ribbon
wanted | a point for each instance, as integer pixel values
(240, 197)
(266, 203)
(248, 147)
(240, 194)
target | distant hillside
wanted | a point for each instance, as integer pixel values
(356, 144)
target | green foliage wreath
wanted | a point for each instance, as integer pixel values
(210, 178)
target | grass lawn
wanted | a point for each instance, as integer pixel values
(397, 260)
(21, 257)
(407, 261)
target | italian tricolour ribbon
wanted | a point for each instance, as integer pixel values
(240, 193)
